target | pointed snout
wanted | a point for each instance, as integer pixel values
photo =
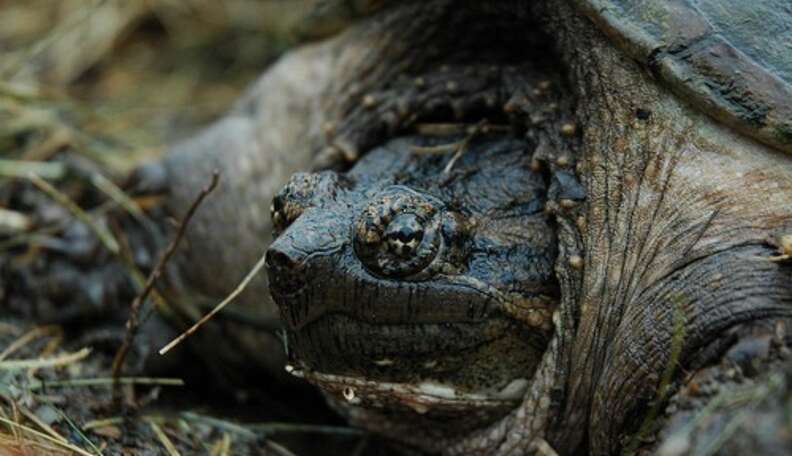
(284, 266)
(315, 234)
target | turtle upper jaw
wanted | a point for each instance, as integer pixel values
(328, 285)
(342, 320)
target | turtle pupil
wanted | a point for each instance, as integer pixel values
(404, 234)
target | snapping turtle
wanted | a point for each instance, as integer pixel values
(613, 220)
(420, 296)
(436, 303)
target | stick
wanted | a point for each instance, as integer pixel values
(464, 144)
(23, 340)
(134, 311)
(46, 437)
(62, 360)
(118, 196)
(239, 289)
(105, 237)
(297, 428)
(103, 381)
(166, 442)
(23, 168)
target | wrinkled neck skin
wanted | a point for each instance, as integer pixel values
(674, 240)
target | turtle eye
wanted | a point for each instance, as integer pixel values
(282, 213)
(398, 234)
(287, 205)
(304, 190)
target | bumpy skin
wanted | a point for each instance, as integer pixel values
(408, 276)
(672, 227)
(660, 268)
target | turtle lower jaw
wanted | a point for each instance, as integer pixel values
(456, 375)
(423, 400)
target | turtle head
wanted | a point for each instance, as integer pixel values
(408, 288)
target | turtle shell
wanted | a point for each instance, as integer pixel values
(730, 58)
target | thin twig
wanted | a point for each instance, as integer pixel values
(26, 338)
(463, 145)
(134, 311)
(222, 446)
(23, 168)
(166, 442)
(8, 328)
(19, 92)
(297, 428)
(44, 426)
(239, 289)
(277, 448)
(220, 424)
(105, 381)
(14, 431)
(102, 423)
(784, 249)
(543, 448)
(448, 129)
(51, 347)
(112, 421)
(79, 432)
(44, 436)
(105, 237)
(13, 222)
(62, 360)
(126, 258)
(113, 192)
(440, 149)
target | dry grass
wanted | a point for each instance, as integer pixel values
(115, 79)
(105, 84)
(11, 445)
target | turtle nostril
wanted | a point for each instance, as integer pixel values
(284, 271)
(280, 260)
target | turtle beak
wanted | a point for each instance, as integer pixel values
(313, 235)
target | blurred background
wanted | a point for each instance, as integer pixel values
(115, 79)
(88, 90)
